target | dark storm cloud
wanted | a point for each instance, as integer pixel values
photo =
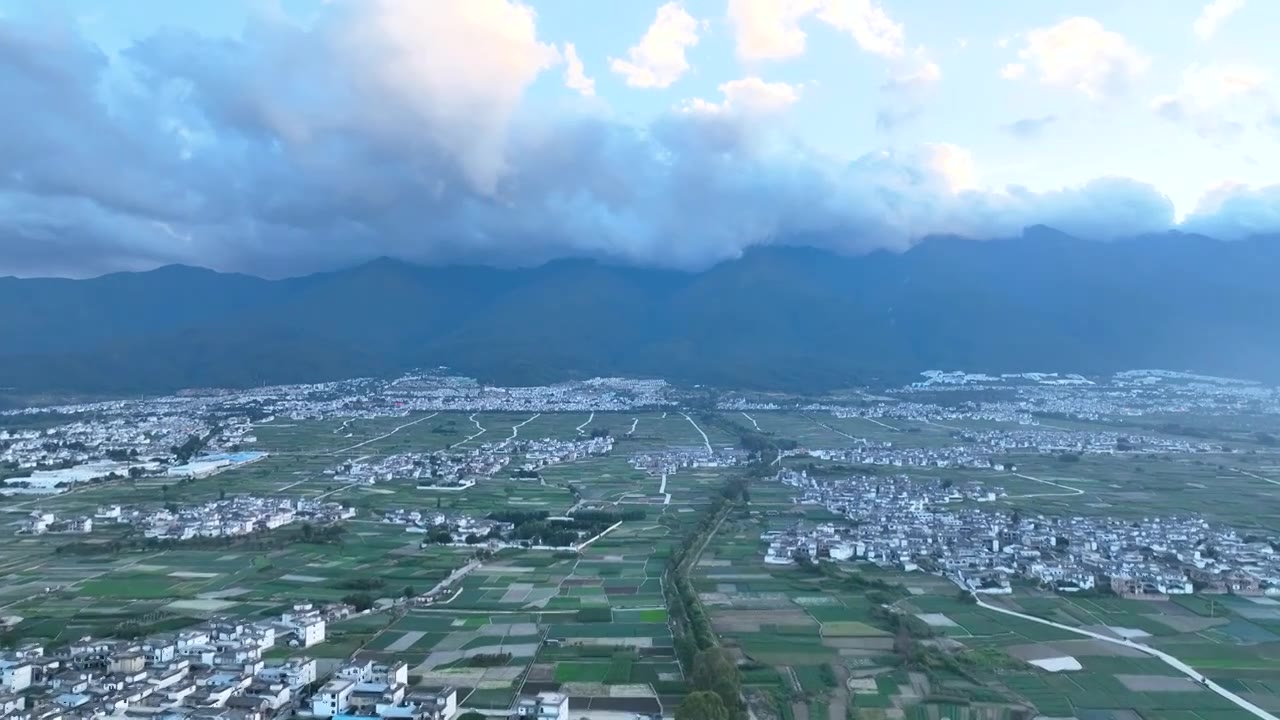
(388, 130)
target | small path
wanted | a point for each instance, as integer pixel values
(662, 490)
(383, 437)
(705, 440)
(881, 424)
(634, 423)
(1256, 477)
(754, 424)
(791, 678)
(515, 429)
(1073, 491)
(292, 485)
(480, 430)
(512, 612)
(582, 429)
(949, 427)
(327, 494)
(834, 430)
(838, 708)
(1168, 659)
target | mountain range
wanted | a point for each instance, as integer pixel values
(790, 318)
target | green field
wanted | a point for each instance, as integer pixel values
(598, 622)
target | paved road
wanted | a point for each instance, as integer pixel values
(1168, 659)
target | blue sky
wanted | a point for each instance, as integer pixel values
(288, 136)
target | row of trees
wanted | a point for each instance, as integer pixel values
(715, 678)
(764, 447)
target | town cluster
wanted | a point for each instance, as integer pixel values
(457, 526)
(230, 517)
(448, 470)
(199, 433)
(457, 469)
(56, 459)
(441, 392)
(215, 670)
(668, 462)
(941, 527)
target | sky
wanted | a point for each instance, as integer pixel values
(279, 137)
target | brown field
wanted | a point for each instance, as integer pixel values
(1190, 623)
(1159, 683)
(1088, 647)
(859, 643)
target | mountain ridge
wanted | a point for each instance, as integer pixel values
(779, 317)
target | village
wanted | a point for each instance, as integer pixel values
(457, 469)
(228, 517)
(668, 462)
(935, 526)
(533, 530)
(215, 670)
(202, 433)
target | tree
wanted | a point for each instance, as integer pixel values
(409, 591)
(713, 671)
(360, 601)
(702, 705)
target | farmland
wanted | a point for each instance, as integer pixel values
(811, 643)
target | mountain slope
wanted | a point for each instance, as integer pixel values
(790, 318)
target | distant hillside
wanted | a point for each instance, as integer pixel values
(785, 318)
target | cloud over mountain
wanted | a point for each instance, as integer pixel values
(390, 127)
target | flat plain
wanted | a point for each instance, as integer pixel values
(595, 623)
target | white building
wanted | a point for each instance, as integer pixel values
(15, 675)
(333, 698)
(296, 672)
(305, 624)
(544, 706)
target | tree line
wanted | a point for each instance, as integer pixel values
(714, 676)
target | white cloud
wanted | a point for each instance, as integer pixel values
(1211, 94)
(749, 95)
(904, 95)
(457, 70)
(770, 29)
(1233, 210)
(953, 164)
(1081, 54)
(658, 60)
(1213, 15)
(575, 76)
(919, 75)
(868, 23)
(1013, 71)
